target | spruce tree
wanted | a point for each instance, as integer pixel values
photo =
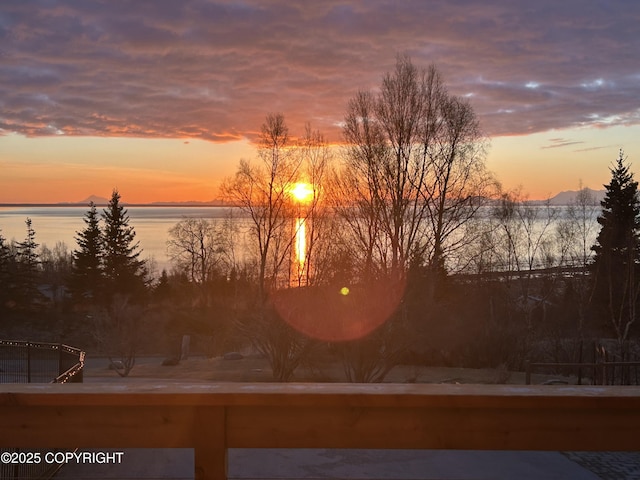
(123, 270)
(6, 266)
(27, 267)
(86, 278)
(617, 250)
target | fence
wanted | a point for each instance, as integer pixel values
(606, 367)
(602, 373)
(36, 362)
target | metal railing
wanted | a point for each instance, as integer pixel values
(39, 362)
(603, 373)
(35, 362)
(607, 367)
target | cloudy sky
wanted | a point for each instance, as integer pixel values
(161, 98)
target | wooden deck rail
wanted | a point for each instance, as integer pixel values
(212, 418)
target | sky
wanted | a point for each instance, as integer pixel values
(162, 98)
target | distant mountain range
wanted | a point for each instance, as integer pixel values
(102, 201)
(95, 199)
(568, 197)
(563, 198)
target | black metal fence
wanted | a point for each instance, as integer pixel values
(38, 362)
(35, 362)
(608, 366)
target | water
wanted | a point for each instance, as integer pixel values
(54, 224)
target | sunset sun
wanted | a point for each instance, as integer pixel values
(302, 192)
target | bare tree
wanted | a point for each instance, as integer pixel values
(581, 212)
(458, 183)
(413, 174)
(198, 246)
(284, 347)
(371, 356)
(355, 187)
(56, 265)
(384, 171)
(523, 242)
(262, 192)
(117, 332)
(576, 233)
(314, 221)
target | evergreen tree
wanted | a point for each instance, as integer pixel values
(27, 263)
(86, 279)
(162, 291)
(617, 250)
(123, 270)
(6, 265)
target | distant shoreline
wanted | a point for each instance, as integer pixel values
(559, 200)
(155, 204)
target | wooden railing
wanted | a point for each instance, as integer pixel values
(212, 418)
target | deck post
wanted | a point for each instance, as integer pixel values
(210, 443)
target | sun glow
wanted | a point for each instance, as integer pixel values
(302, 192)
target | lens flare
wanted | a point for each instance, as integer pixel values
(336, 315)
